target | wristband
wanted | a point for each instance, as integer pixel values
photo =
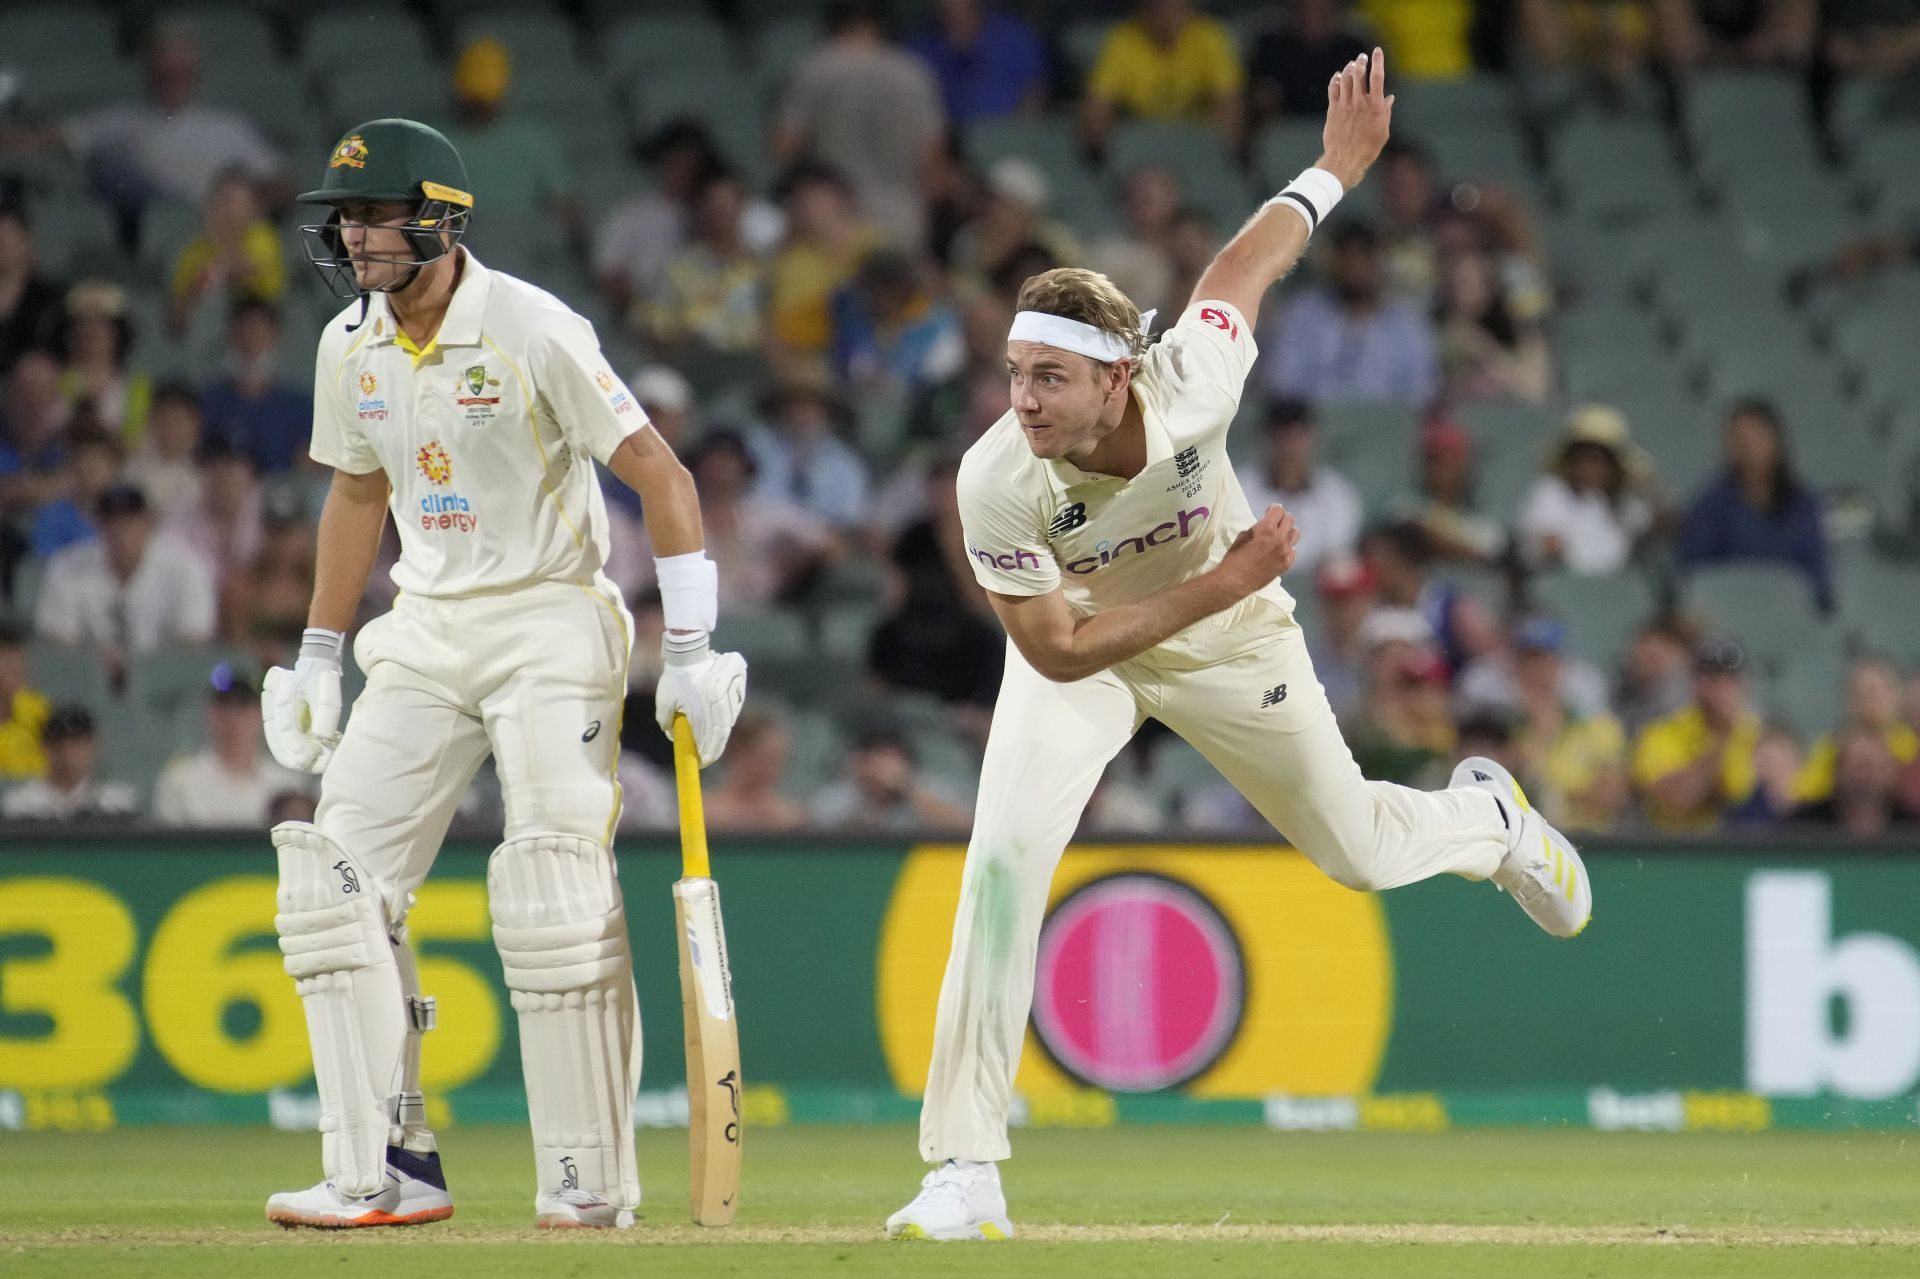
(689, 648)
(1312, 195)
(689, 591)
(319, 642)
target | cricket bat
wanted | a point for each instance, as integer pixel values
(706, 1006)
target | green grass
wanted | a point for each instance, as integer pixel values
(1114, 1204)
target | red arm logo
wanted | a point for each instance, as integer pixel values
(1220, 320)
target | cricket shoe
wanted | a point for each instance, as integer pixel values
(414, 1193)
(957, 1200)
(1541, 870)
(578, 1210)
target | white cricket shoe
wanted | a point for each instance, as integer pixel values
(957, 1200)
(415, 1192)
(578, 1210)
(1541, 869)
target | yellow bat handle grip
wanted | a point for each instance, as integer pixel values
(693, 817)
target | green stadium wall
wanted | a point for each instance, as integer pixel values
(1718, 987)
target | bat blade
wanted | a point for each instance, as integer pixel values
(713, 1054)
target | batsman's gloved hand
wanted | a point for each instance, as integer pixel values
(707, 687)
(300, 708)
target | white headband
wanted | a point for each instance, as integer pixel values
(1072, 335)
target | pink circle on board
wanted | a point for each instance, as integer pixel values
(1138, 984)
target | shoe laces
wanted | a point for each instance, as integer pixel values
(950, 1181)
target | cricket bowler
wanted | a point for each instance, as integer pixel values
(1104, 520)
(470, 405)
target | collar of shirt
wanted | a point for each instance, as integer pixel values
(459, 327)
(1064, 475)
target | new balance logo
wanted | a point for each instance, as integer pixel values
(1070, 518)
(1273, 696)
(349, 882)
(1479, 776)
(1187, 462)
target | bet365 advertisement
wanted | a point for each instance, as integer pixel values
(140, 983)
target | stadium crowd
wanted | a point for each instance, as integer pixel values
(814, 314)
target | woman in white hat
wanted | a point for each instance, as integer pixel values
(1590, 510)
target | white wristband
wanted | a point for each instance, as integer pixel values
(1312, 195)
(689, 591)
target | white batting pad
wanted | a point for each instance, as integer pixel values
(333, 937)
(562, 935)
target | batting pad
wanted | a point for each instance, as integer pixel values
(333, 936)
(562, 934)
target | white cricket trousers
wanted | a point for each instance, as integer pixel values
(1263, 720)
(537, 675)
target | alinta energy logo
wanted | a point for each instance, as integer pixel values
(448, 511)
(372, 408)
(1139, 984)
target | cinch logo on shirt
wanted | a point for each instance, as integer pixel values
(1017, 560)
(1105, 553)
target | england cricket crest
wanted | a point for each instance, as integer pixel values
(479, 404)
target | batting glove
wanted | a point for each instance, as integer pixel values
(300, 708)
(707, 687)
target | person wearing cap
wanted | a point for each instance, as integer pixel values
(798, 455)
(1102, 518)
(1405, 732)
(1578, 752)
(69, 791)
(1443, 501)
(1588, 513)
(519, 164)
(1697, 763)
(231, 782)
(1289, 473)
(1348, 593)
(130, 590)
(466, 404)
(95, 341)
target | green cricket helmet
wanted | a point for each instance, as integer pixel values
(390, 160)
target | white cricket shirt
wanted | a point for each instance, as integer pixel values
(484, 434)
(1033, 524)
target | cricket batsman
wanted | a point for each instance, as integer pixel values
(1103, 518)
(468, 404)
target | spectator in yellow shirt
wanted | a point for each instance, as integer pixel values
(1579, 759)
(1425, 39)
(826, 242)
(236, 255)
(1873, 706)
(23, 712)
(1695, 764)
(1169, 63)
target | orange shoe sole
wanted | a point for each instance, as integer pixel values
(294, 1221)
